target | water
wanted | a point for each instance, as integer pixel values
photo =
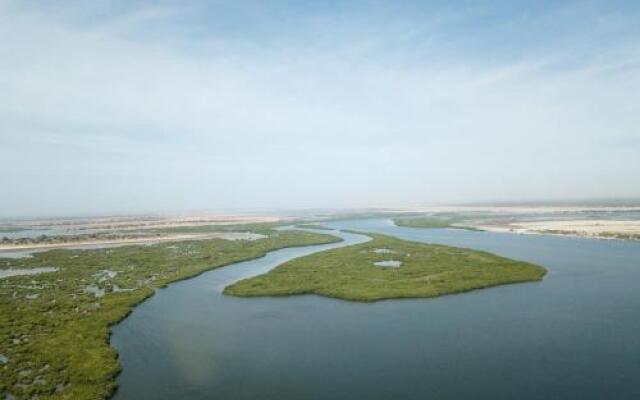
(572, 336)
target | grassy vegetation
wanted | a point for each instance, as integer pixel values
(11, 229)
(313, 226)
(212, 228)
(58, 239)
(349, 273)
(431, 222)
(54, 327)
(335, 217)
(619, 235)
(602, 235)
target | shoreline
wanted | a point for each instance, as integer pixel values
(89, 318)
(591, 229)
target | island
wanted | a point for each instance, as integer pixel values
(388, 268)
(431, 222)
(588, 222)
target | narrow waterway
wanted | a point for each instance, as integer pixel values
(572, 336)
(179, 323)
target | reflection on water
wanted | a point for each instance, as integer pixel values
(573, 335)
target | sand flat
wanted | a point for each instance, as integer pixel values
(590, 228)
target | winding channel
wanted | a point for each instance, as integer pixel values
(185, 314)
(572, 336)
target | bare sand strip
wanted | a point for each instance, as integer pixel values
(124, 223)
(604, 229)
(133, 241)
(6, 273)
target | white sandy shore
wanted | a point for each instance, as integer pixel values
(588, 228)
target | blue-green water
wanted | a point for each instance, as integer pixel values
(575, 335)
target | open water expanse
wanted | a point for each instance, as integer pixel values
(575, 335)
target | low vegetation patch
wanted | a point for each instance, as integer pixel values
(425, 270)
(58, 239)
(313, 226)
(54, 326)
(602, 235)
(260, 228)
(11, 229)
(431, 223)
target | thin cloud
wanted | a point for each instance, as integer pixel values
(351, 108)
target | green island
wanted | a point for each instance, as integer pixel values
(387, 268)
(54, 326)
(431, 223)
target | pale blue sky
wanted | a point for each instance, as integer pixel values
(161, 106)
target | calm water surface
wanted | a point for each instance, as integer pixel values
(575, 335)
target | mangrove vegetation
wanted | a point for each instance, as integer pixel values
(54, 325)
(386, 268)
(431, 222)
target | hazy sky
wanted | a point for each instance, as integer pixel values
(114, 106)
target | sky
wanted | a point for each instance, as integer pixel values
(131, 106)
